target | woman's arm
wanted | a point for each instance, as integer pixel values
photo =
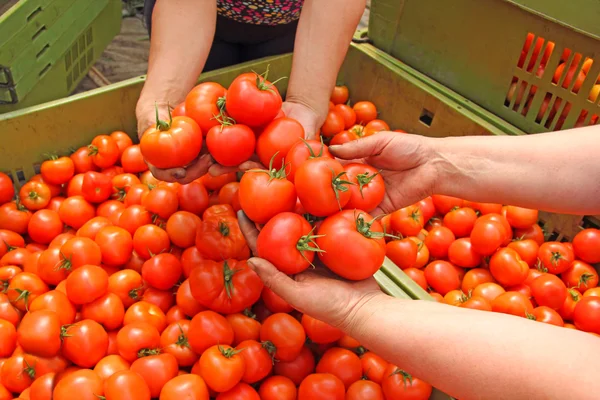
(555, 171)
(475, 354)
(182, 34)
(324, 33)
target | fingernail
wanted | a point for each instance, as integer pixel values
(240, 214)
(179, 173)
(335, 147)
(251, 264)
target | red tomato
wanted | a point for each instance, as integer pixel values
(231, 144)
(555, 257)
(126, 384)
(297, 369)
(375, 126)
(137, 338)
(364, 390)
(162, 201)
(127, 285)
(96, 187)
(264, 194)
(14, 217)
(527, 250)
(86, 284)
(320, 332)
(91, 228)
(368, 190)
(163, 299)
(23, 289)
(364, 257)
(461, 253)
(408, 221)
(204, 102)
(521, 218)
(586, 315)
(365, 112)
(402, 252)
(104, 151)
(7, 190)
(277, 139)
(230, 194)
(156, 370)
(277, 388)
(302, 151)
(438, 241)
(474, 278)
(132, 160)
(221, 367)
(193, 197)
(566, 310)
(477, 303)
(107, 310)
(341, 363)
(487, 236)
(285, 336)
(162, 271)
(183, 386)
(321, 387)
(460, 221)
(507, 267)
(347, 114)
(75, 211)
(443, 204)
(143, 311)
(208, 328)
(217, 182)
(84, 343)
(244, 327)
(35, 195)
(399, 384)
(548, 290)
(586, 245)
(122, 139)
(174, 341)
(442, 276)
(220, 238)
(86, 383)
(57, 170)
(546, 315)
(39, 333)
(514, 303)
(484, 208)
(287, 241)
(534, 232)
(339, 95)
(253, 100)
(257, 360)
(580, 276)
(334, 124)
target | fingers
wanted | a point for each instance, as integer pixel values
(289, 290)
(370, 146)
(249, 231)
(186, 175)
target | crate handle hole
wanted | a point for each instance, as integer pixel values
(39, 32)
(42, 51)
(34, 13)
(426, 117)
(46, 68)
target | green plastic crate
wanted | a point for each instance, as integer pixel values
(59, 56)
(473, 47)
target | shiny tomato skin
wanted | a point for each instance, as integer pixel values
(85, 343)
(365, 112)
(264, 194)
(548, 290)
(257, 360)
(364, 390)
(143, 311)
(220, 238)
(487, 236)
(39, 333)
(586, 245)
(438, 241)
(126, 384)
(277, 388)
(285, 333)
(227, 287)
(110, 365)
(208, 328)
(7, 190)
(341, 363)
(185, 385)
(297, 369)
(527, 249)
(586, 315)
(546, 315)
(277, 139)
(14, 217)
(461, 253)
(507, 267)
(556, 257)
(132, 160)
(162, 271)
(86, 383)
(302, 151)
(521, 218)
(279, 239)
(231, 145)
(221, 367)
(514, 303)
(175, 145)
(201, 104)
(116, 245)
(402, 252)
(244, 328)
(174, 341)
(580, 276)
(368, 190)
(162, 201)
(320, 332)
(35, 195)
(137, 337)
(321, 387)
(156, 370)
(193, 197)
(104, 151)
(366, 255)
(442, 276)
(107, 310)
(44, 226)
(253, 100)
(340, 94)
(400, 385)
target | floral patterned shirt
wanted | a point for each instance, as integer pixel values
(261, 12)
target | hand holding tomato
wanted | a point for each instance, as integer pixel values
(316, 292)
(309, 118)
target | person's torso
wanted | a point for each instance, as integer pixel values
(260, 12)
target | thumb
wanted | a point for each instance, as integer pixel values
(284, 286)
(370, 146)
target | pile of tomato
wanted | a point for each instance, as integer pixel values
(495, 258)
(118, 286)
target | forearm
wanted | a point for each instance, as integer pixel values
(472, 354)
(319, 50)
(555, 171)
(182, 34)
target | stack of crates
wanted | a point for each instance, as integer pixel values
(47, 47)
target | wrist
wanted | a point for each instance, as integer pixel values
(319, 108)
(450, 167)
(363, 315)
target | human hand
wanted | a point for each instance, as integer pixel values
(406, 162)
(309, 118)
(147, 116)
(316, 292)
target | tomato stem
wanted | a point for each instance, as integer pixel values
(264, 84)
(182, 340)
(271, 349)
(148, 352)
(65, 263)
(23, 295)
(248, 313)
(160, 124)
(363, 180)
(92, 150)
(406, 377)
(223, 228)
(228, 274)
(29, 370)
(339, 185)
(228, 353)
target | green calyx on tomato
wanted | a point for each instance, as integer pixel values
(406, 377)
(230, 352)
(221, 101)
(540, 267)
(29, 370)
(364, 228)
(272, 172)
(307, 243)
(51, 156)
(583, 279)
(262, 84)
(65, 263)
(160, 124)
(23, 295)
(358, 130)
(556, 257)
(574, 295)
(248, 313)
(223, 228)
(363, 180)
(339, 185)
(311, 151)
(270, 348)
(228, 274)
(182, 340)
(148, 352)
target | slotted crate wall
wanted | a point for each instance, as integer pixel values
(504, 55)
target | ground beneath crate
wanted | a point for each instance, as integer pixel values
(127, 56)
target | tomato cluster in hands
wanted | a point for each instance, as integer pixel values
(495, 258)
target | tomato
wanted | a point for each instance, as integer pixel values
(580, 276)
(76, 211)
(203, 103)
(185, 386)
(461, 253)
(527, 250)
(287, 241)
(122, 183)
(220, 238)
(110, 365)
(104, 151)
(156, 370)
(403, 253)
(586, 245)
(264, 194)
(126, 384)
(39, 333)
(566, 310)
(339, 95)
(230, 144)
(163, 299)
(365, 112)
(521, 218)
(476, 303)
(127, 285)
(321, 387)
(546, 315)
(149, 240)
(460, 221)
(134, 217)
(488, 290)
(257, 360)
(368, 190)
(8, 338)
(34, 195)
(418, 276)
(474, 278)
(302, 151)
(438, 241)
(444, 204)
(162, 201)
(122, 139)
(162, 271)
(555, 257)
(345, 137)
(277, 139)
(334, 124)
(298, 368)
(586, 314)
(190, 259)
(364, 257)
(364, 390)
(217, 182)
(23, 289)
(534, 232)
(57, 170)
(174, 341)
(16, 257)
(341, 363)
(548, 290)
(277, 388)
(253, 100)
(86, 284)
(107, 310)
(208, 328)
(442, 276)
(408, 221)
(230, 194)
(186, 301)
(55, 190)
(146, 312)
(373, 367)
(399, 384)
(244, 327)
(135, 193)
(7, 190)
(41, 388)
(14, 217)
(347, 113)
(132, 160)
(285, 336)
(514, 303)
(86, 383)
(7, 311)
(507, 267)
(487, 236)
(193, 197)
(375, 126)
(79, 251)
(84, 343)
(422, 254)
(138, 339)
(320, 332)
(221, 367)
